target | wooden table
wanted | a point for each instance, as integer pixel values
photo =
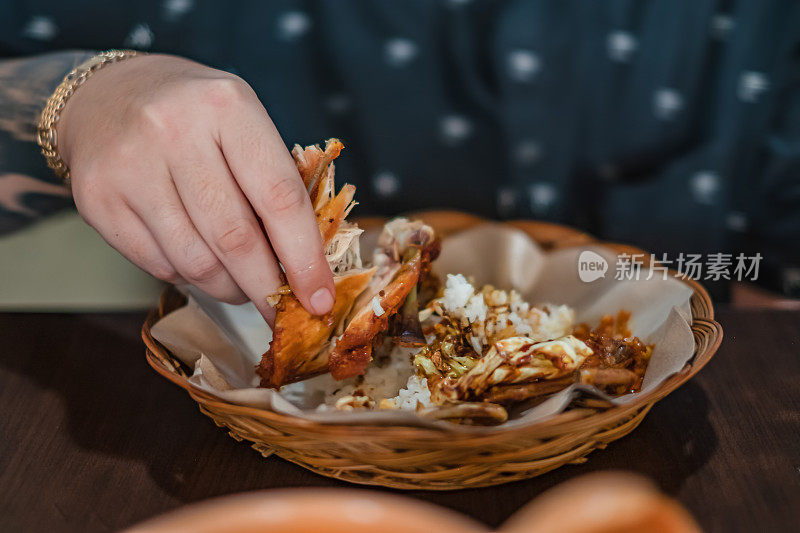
(91, 439)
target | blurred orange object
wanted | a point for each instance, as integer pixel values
(312, 511)
(603, 502)
(608, 502)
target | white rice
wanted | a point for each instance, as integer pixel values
(376, 307)
(395, 379)
(415, 393)
(475, 310)
(457, 292)
(491, 311)
(392, 382)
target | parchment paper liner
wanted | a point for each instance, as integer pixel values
(223, 343)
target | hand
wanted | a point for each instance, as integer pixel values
(179, 167)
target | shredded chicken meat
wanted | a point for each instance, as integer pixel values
(366, 299)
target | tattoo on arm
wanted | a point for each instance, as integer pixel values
(25, 86)
(28, 189)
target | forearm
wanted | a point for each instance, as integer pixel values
(28, 189)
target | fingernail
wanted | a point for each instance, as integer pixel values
(322, 301)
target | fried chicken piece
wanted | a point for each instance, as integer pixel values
(341, 341)
(298, 349)
(406, 249)
(301, 341)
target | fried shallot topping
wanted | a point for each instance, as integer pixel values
(518, 368)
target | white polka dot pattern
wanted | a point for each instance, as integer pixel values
(523, 65)
(721, 25)
(40, 28)
(506, 201)
(621, 46)
(737, 221)
(175, 9)
(399, 51)
(543, 195)
(527, 152)
(292, 25)
(751, 86)
(667, 103)
(385, 184)
(704, 186)
(140, 37)
(454, 129)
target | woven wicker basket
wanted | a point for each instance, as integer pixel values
(437, 458)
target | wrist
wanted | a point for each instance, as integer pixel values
(48, 130)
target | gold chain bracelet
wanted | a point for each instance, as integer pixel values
(46, 130)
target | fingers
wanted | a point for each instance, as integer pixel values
(133, 240)
(225, 220)
(183, 246)
(268, 177)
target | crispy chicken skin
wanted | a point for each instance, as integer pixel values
(341, 341)
(353, 350)
(405, 252)
(299, 334)
(298, 349)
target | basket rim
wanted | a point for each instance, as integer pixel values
(703, 325)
